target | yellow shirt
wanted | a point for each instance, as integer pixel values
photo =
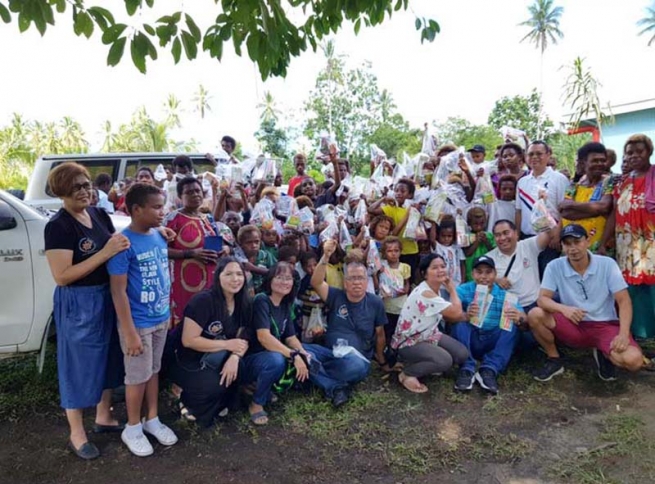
(593, 225)
(397, 214)
(334, 275)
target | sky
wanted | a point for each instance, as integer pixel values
(475, 60)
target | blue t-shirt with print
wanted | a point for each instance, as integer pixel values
(466, 293)
(354, 322)
(148, 278)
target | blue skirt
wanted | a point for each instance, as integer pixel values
(89, 358)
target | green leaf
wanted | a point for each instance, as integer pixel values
(193, 28)
(417, 23)
(61, 5)
(149, 29)
(100, 20)
(150, 3)
(102, 12)
(23, 22)
(190, 45)
(112, 33)
(116, 52)
(164, 32)
(176, 16)
(176, 50)
(4, 14)
(138, 56)
(358, 25)
(217, 48)
(131, 6)
(252, 43)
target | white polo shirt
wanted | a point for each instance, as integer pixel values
(524, 274)
(527, 193)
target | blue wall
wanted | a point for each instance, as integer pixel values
(625, 125)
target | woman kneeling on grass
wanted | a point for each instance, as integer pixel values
(422, 347)
(273, 340)
(211, 342)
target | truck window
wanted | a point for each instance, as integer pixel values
(94, 166)
(200, 164)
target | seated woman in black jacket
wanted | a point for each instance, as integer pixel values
(210, 343)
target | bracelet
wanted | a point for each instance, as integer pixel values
(293, 355)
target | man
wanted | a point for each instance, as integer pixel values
(528, 190)
(589, 201)
(229, 144)
(300, 164)
(355, 319)
(485, 340)
(589, 286)
(103, 185)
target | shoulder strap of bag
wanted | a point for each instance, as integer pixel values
(509, 267)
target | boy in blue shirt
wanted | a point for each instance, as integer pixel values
(140, 289)
(489, 343)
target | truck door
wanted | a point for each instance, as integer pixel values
(16, 279)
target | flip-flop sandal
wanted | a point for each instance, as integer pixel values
(254, 417)
(107, 429)
(418, 390)
(185, 413)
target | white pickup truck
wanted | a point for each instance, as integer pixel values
(26, 285)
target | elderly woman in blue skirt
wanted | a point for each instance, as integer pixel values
(79, 240)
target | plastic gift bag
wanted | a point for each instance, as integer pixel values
(421, 233)
(360, 213)
(160, 173)
(331, 232)
(373, 260)
(511, 300)
(484, 191)
(412, 224)
(345, 239)
(391, 283)
(429, 143)
(306, 217)
(328, 146)
(342, 348)
(377, 155)
(463, 235)
(265, 171)
(513, 135)
(262, 214)
(541, 219)
(315, 326)
(285, 205)
(435, 206)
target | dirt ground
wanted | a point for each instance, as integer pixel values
(574, 429)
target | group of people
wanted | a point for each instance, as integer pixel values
(234, 290)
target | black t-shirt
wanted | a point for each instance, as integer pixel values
(64, 232)
(204, 309)
(277, 319)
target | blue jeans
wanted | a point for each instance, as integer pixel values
(492, 347)
(265, 368)
(336, 373)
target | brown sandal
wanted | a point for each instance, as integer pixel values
(420, 388)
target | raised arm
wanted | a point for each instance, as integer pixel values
(318, 278)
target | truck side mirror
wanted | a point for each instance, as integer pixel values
(7, 219)
(7, 223)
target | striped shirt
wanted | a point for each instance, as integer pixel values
(527, 193)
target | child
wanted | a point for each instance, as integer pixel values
(489, 343)
(450, 251)
(270, 240)
(392, 283)
(505, 207)
(380, 228)
(140, 289)
(299, 163)
(484, 241)
(255, 261)
(308, 297)
(334, 269)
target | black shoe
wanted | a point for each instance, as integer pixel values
(486, 377)
(87, 451)
(340, 397)
(552, 368)
(606, 370)
(464, 380)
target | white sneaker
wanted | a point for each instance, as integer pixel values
(163, 434)
(138, 443)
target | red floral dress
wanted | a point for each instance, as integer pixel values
(419, 319)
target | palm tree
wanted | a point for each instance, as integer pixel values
(387, 106)
(270, 112)
(581, 95)
(201, 101)
(648, 23)
(172, 108)
(544, 30)
(109, 138)
(333, 59)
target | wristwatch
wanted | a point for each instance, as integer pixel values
(293, 355)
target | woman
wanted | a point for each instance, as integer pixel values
(512, 157)
(211, 342)
(589, 201)
(273, 340)
(634, 220)
(421, 346)
(79, 240)
(145, 175)
(192, 264)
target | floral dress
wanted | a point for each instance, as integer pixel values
(635, 232)
(419, 319)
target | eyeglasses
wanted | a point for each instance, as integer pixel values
(284, 278)
(584, 291)
(78, 187)
(356, 278)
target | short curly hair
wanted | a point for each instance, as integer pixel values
(60, 179)
(640, 138)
